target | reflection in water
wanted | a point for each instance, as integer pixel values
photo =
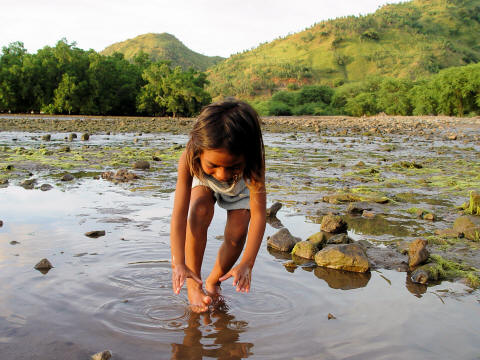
(339, 279)
(379, 225)
(416, 289)
(214, 335)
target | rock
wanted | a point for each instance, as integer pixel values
(368, 214)
(348, 257)
(417, 252)
(340, 198)
(272, 210)
(402, 247)
(43, 264)
(64, 149)
(14, 242)
(452, 136)
(469, 226)
(290, 266)
(46, 137)
(333, 224)
(28, 183)
(304, 249)
(282, 240)
(141, 165)
(1, 223)
(104, 355)
(85, 137)
(122, 175)
(72, 136)
(473, 205)
(358, 207)
(319, 239)
(67, 177)
(428, 216)
(331, 316)
(446, 233)
(95, 233)
(46, 187)
(425, 273)
(339, 239)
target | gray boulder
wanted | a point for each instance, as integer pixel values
(282, 240)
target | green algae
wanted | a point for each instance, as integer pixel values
(472, 207)
(442, 268)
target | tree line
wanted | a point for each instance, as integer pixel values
(454, 92)
(67, 80)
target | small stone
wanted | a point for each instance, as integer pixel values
(1, 223)
(43, 264)
(452, 136)
(46, 137)
(272, 210)
(46, 187)
(85, 137)
(333, 224)
(28, 183)
(104, 355)
(368, 214)
(417, 252)
(339, 239)
(72, 136)
(95, 233)
(14, 242)
(141, 165)
(67, 177)
(358, 207)
(282, 240)
(290, 265)
(429, 216)
(331, 316)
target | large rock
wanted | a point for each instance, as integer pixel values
(424, 274)
(282, 240)
(104, 355)
(417, 252)
(319, 239)
(349, 257)
(333, 224)
(359, 207)
(345, 280)
(304, 249)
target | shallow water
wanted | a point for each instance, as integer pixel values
(114, 292)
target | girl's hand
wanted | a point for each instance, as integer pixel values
(180, 272)
(242, 276)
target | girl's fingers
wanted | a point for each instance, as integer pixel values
(225, 277)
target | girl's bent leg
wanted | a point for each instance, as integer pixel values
(200, 215)
(235, 234)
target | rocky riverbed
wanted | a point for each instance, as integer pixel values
(392, 189)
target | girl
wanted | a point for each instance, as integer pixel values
(223, 162)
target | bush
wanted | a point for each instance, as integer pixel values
(287, 97)
(278, 108)
(315, 94)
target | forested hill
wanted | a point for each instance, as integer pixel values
(409, 40)
(163, 47)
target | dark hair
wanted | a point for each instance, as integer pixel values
(232, 125)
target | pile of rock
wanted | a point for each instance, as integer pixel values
(331, 247)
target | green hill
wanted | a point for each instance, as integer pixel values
(163, 47)
(407, 40)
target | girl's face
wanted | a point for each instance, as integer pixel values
(222, 165)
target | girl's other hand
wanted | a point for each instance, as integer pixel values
(180, 273)
(242, 276)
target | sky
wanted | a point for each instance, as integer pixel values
(209, 27)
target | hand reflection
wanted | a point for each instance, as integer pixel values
(215, 335)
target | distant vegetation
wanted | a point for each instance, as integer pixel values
(410, 40)
(67, 80)
(163, 47)
(414, 58)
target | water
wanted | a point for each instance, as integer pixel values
(114, 292)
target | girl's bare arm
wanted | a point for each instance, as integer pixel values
(178, 226)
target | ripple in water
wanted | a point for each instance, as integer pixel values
(147, 306)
